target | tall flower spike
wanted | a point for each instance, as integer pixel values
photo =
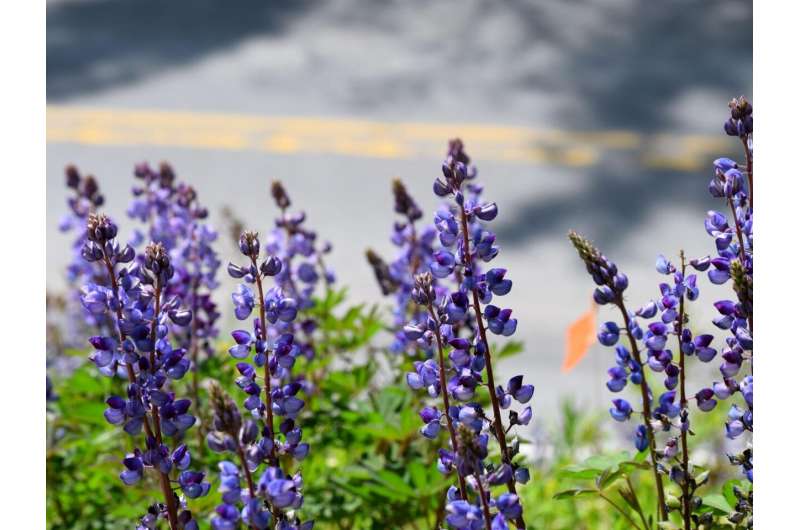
(674, 320)
(173, 215)
(140, 349)
(460, 320)
(302, 270)
(84, 199)
(611, 284)
(414, 254)
(733, 238)
(273, 498)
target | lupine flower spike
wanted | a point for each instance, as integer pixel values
(611, 284)
(303, 269)
(414, 255)
(733, 238)
(141, 350)
(276, 495)
(85, 200)
(468, 311)
(734, 260)
(173, 215)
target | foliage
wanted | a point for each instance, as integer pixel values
(370, 468)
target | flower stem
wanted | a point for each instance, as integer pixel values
(487, 517)
(749, 159)
(686, 504)
(273, 459)
(462, 486)
(250, 486)
(499, 430)
(267, 377)
(738, 229)
(166, 489)
(662, 507)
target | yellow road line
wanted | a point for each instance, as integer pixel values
(369, 139)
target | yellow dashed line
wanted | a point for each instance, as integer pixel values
(370, 139)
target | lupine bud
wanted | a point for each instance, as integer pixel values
(404, 204)
(279, 195)
(249, 244)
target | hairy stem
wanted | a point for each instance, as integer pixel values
(738, 229)
(273, 458)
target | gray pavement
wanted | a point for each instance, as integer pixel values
(651, 68)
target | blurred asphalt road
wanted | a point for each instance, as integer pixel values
(598, 116)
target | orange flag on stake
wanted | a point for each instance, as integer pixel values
(581, 334)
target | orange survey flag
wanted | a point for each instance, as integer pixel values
(581, 334)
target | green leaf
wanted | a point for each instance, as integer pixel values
(509, 349)
(419, 475)
(718, 502)
(568, 494)
(395, 482)
(606, 478)
(595, 465)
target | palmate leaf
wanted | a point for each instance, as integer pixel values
(597, 464)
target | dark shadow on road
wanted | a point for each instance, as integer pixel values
(610, 206)
(94, 45)
(633, 78)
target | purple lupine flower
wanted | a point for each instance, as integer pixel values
(733, 237)
(140, 349)
(611, 284)
(173, 215)
(272, 347)
(296, 260)
(608, 334)
(463, 515)
(621, 410)
(73, 323)
(741, 121)
(733, 261)
(640, 438)
(450, 329)
(415, 254)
